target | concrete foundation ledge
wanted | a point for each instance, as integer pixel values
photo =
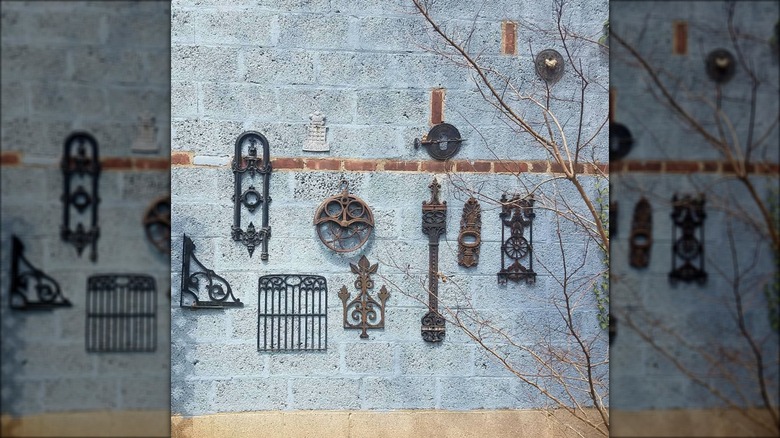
(692, 423)
(381, 424)
(141, 423)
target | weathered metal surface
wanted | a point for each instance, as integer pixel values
(81, 171)
(721, 65)
(641, 239)
(516, 215)
(292, 313)
(257, 171)
(434, 224)
(549, 65)
(688, 250)
(31, 288)
(157, 224)
(344, 222)
(442, 142)
(470, 237)
(201, 282)
(364, 312)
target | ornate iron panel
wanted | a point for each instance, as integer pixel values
(361, 312)
(641, 234)
(157, 224)
(469, 239)
(344, 222)
(292, 313)
(434, 224)
(516, 215)
(203, 282)
(688, 249)
(256, 170)
(31, 289)
(121, 313)
(442, 142)
(81, 170)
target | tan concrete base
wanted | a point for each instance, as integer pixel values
(88, 424)
(689, 423)
(373, 424)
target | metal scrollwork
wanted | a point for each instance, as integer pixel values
(641, 234)
(516, 215)
(361, 312)
(250, 166)
(292, 313)
(434, 224)
(688, 215)
(344, 222)
(469, 239)
(31, 289)
(157, 224)
(81, 170)
(203, 281)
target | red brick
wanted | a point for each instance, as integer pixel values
(643, 166)
(538, 166)
(436, 166)
(437, 106)
(287, 163)
(682, 166)
(151, 163)
(475, 166)
(117, 163)
(710, 166)
(406, 166)
(728, 167)
(680, 38)
(180, 158)
(556, 167)
(10, 158)
(511, 167)
(508, 38)
(360, 165)
(323, 164)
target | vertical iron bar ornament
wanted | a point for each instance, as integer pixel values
(688, 215)
(251, 198)
(216, 287)
(361, 312)
(470, 238)
(641, 234)
(31, 289)
(517, 214)
(434, 224)
(80, 168)
(292, 313)
(121, 313)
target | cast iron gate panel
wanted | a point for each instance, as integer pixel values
(292, 313)
(121, 313)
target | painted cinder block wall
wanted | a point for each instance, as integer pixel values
(265, 66)
(668, 158)
(98, 67)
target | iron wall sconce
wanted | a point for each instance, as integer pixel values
(292, 313)
(361, 312)
(31, 288)
(516, 215)
(157, 224)
(121, 313)
(81, 170)
(641, 234)
(549, 65)
(469, 239)
(442, 142)
(193, 283)
(720, 65)
(434, 224)
(688, 216)
(344, 222)
(248, 167)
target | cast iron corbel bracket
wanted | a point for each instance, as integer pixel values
(203, 279)
(434, 223)
(77, 165)
(247, 166)
(31, 289)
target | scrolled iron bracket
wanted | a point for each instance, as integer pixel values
(688, 215)
(250, 166)
(361, 312)
(203, 279)
(157, 224)
(641, 240)
(442, 142)
(434, 224)
(31, 288)
(516, 215)
(80, 168)
(470, 237)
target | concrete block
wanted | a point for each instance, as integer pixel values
(398, 393)
(144, 393)
(144, 186)
(204, 63)
(311, 363)
(61, 100)
(391, 34)
(368, 8)
(71, 361)
(140, 25)
(374, 359)
(230, 101)
(106, 66)
(365, 141)
(28, 135)
(202, 136)
(56, 28)
(120, 100)
(424, 359)
(478, 393)
(234, 27)
(15, 402)
(195, 326)
(336, 105)
(182, 30)
(236, 395)
(289, 67)
(191, 397)
(184, 99)
(326, 393)
(92, 393)
(14, 100)
(235, 360)
(193, 183)
(141, 366)
(392, 107)
(315, 31)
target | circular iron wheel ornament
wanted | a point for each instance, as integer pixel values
(620, 141)
(721, 65)
(443, 141)
(157, 224)
(549, 65)
(344, 222)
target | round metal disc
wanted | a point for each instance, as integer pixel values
(620, 141)
(549, 65)
(444, 141)
(721, 65)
